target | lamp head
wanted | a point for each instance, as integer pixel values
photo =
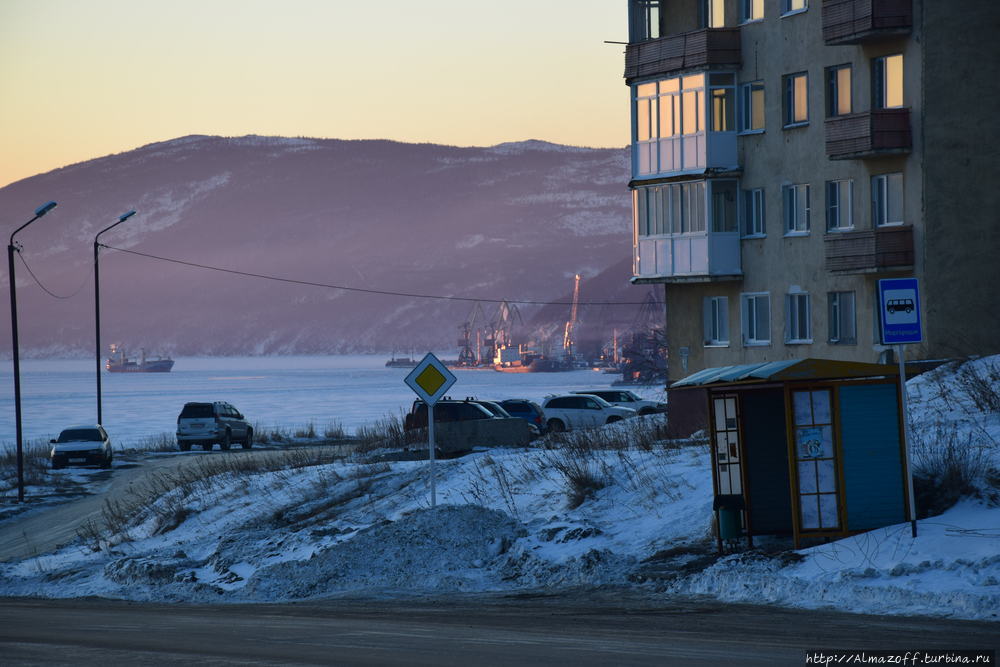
(125, 216)
(44, 208)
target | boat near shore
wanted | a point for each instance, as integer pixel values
(119, 363)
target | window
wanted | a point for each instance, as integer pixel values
(724, 206)
(752, 10)
(716, 320)
(644, 20)
(752, 107)
(788, 6)
(753, 212)
(887, 199)
(675, 208)
(797, 325)
(843, 323)
(796, 99)
(713, 13)
(796, 209)
(816, 460)
(887, 82)
(669, 124)
(838, 91)
(839, 205)
(756, 315)
(722, 104)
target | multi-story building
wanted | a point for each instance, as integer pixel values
(786, 154)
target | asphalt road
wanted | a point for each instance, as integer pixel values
(578, 629)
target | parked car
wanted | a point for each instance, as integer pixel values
(82, 445)
(499, 411)
(626, 399)
(580, 411)
(527, 410)
(205, 424)
(445, 410)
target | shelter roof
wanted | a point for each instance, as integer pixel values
(787, 370)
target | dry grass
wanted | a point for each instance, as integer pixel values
(948, 466)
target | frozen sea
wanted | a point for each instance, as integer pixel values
(282, 392)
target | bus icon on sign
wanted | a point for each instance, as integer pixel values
(899, 305)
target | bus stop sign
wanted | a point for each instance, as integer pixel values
(899, 309)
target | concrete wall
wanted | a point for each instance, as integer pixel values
(463, 436)
(961, 197)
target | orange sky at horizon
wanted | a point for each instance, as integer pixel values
(81, 80)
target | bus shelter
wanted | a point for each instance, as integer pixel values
(808, 448)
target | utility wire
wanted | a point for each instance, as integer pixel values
(411, 295)
(50, 292)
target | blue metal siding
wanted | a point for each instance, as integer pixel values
(873, 471)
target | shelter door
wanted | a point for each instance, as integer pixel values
(816, 460)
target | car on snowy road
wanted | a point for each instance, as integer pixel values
(205, 424)
(81, 445)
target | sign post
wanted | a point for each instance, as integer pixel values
(430, 380)
(899, 310)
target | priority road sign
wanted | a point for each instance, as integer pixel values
(430, 379)
(899, 306)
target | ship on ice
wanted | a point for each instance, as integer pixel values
(119, 363)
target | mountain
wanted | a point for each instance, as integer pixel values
(513, 221)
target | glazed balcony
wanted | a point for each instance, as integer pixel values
(684, 258)
(868, 134)
(865, 21)
(872, 251)
(704, 48)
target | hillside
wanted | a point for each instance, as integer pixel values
(513, 221)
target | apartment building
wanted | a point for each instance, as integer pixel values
(787, 154)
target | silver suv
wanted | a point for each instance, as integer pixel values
(205, 424)
(626, 399)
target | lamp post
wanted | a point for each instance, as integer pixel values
(11, 249)
(97, 305)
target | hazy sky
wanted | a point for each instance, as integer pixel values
(85, 78)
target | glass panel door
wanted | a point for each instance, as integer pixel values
(816, 460)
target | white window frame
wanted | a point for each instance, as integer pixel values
(796, 209)
(836, 220)
(792, 7)
(838, 303)
(795, 327)
(746, 108)
(747, 11)
(789, 98)
(754, 214)
(880, 199)
(748, 316)
(716, 319)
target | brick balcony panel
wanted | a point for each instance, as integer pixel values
(860, 21)
(699, 48)
(872, 251)
(868, 134)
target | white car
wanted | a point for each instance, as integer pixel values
(626, 399)
(205, 424)
(581, 411)
(82, 445)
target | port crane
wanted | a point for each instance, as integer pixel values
(466, 356)
(571, 322)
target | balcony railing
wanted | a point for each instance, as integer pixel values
(858, 21)
(692, 257)
(882, 249)
(699, 48)
(868, 134)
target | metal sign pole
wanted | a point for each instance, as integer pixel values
(430, 443)
(900, 353)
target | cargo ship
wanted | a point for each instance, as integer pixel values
(119, 363)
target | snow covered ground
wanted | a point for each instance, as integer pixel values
(524, 520)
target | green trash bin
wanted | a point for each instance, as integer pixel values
(728, 510)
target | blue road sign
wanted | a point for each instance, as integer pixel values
(899, 301)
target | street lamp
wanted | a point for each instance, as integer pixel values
(11, 249)
(97, 305)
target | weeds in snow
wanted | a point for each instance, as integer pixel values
(949, 465)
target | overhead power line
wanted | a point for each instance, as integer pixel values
(46, 289)
(363, 290)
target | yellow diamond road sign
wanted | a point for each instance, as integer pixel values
(430, 379)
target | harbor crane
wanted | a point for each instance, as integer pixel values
(571, 322)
